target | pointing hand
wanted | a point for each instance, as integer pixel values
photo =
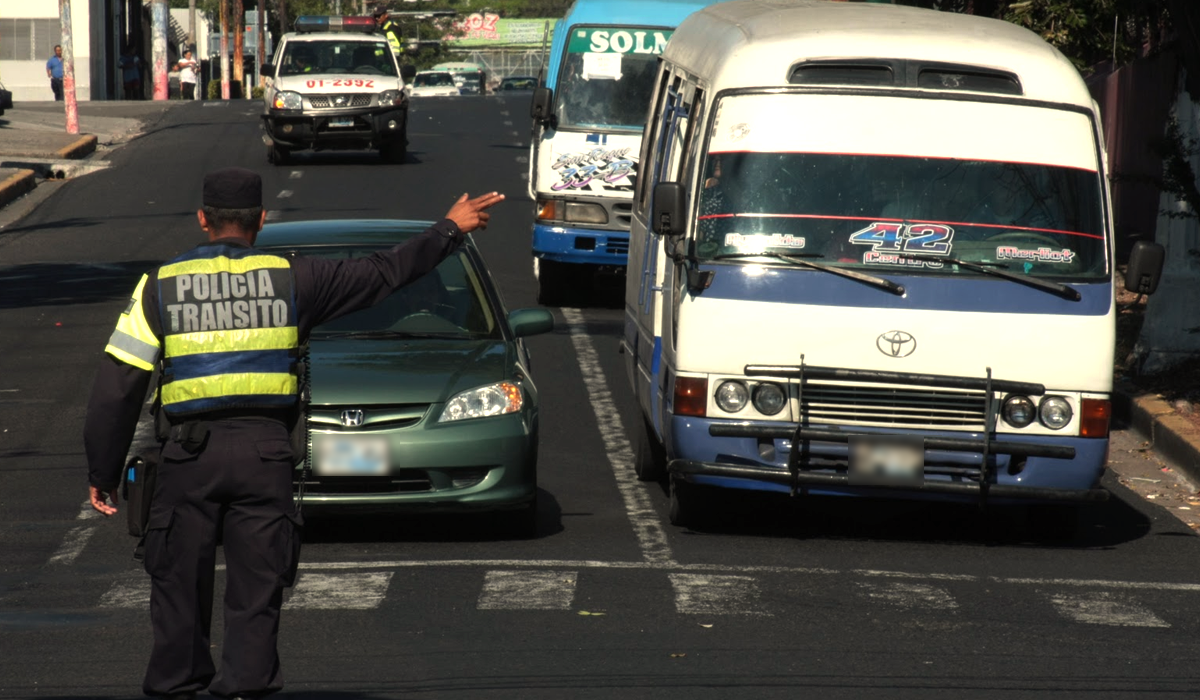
(470, 214)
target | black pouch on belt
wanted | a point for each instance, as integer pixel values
(141, 476)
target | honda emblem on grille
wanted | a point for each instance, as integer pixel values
(352, 419)
(896, 344)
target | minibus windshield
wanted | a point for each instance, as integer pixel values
(902, 212)
(607, 77)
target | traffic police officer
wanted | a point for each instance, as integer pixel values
(223, 324)
(389, 28)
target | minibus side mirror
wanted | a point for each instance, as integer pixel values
(542, 105)
(267, 70)
(668, 209)
(408, 72)
(1145, 267)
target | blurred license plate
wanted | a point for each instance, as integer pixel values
(888, 460)
(357, 455)
(342, 121)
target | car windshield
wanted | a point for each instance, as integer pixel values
(607, 76)
(447, 302)
(337, 56)
(880, 212)
(433, 80)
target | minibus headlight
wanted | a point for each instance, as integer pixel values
(1018, 411)
(732, 396)
(585, 213)
(769, 399)
(1055, 413)
(288, 100)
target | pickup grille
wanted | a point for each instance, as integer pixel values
(339, 101)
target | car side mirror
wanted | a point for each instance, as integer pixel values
(408, 72)
(526, 322)
(267, 70)
(542, 105)
(1145, 267)
(668, 209)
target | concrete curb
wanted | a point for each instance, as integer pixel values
(85, 146)
(1169, 433)
(16, 185)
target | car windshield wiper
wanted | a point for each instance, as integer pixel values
(383, 335)
(797, 259)
(1061, 290)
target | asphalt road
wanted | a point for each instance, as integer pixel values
(774, 598)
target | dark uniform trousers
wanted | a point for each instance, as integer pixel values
(235, 484)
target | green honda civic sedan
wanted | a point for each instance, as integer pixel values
(425, 400)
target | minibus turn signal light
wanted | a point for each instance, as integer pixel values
(1094, 415)
(691, 396)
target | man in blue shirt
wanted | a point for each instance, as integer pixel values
(54, 71)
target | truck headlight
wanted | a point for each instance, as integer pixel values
(732, 396)
(288, 100)
(1055, 412)
(482, 402)
(585, 213)
(391, 97)
(769, 399)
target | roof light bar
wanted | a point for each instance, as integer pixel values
(326, 23)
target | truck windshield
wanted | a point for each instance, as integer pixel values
(607, 76)
(337, 56)
(901, 212)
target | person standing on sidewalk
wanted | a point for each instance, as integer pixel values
(230, 392)
(54, 71)
(188, 70)
(131, 73)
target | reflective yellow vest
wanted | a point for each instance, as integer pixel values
(392, 31)
(230, 339)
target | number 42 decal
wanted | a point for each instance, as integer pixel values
(930, 239)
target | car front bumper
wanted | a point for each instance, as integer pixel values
(298, 130)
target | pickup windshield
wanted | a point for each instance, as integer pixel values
(318, 57)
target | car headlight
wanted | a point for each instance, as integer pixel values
(288, 100)
(1018, 411)
(732, 396)
(769, 399)
(1055, 412)
(391, 97)
(481, 402)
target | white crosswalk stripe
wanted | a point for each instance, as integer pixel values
(1105, 608)
(706, 594)
(909, 596)
(127, 594)
(348, 591)
(528, 590)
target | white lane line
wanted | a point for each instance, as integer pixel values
(527, 590)
(522, 159)
(340, 591)
(273, 215)
(504, 113)
(507, 123)
(909, 596)
(704, 594)
(1100, 583)
(73, 544)
(295, 174)
(1105, 608)
(646, 524)
(284, 194)
(11, 391)
(127, 594)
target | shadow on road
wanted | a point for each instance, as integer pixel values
(64, 284)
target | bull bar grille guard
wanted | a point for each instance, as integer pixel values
(800, 473)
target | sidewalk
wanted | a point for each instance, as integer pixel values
(33, 135)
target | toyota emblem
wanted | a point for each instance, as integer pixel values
(352, 419)
(896, 343)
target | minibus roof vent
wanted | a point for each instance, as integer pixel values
(862, 73)
(902, 73)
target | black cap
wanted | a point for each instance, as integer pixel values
(233, 188)
(380, 11)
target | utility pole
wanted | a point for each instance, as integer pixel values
(281, 7)
(68, 61)
(239, 46)
(261, 41)
(224, 49)
(192, 28)
(158, 33)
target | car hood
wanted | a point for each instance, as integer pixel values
(417, 371)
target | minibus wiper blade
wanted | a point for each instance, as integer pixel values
(796, 259)
(1062, 290)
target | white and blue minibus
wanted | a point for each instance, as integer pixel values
(588, 118)
(872, 254)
